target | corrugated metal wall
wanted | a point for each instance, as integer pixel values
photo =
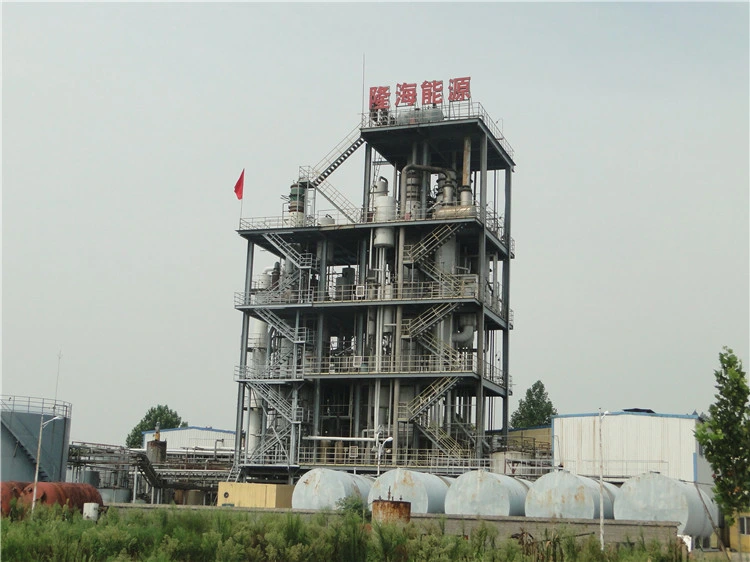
(631, 444)
(194, 437)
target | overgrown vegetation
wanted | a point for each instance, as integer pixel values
(160, 535)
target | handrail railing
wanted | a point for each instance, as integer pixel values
(34, 405)
(450, 111)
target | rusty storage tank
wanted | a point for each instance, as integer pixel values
(10, 490)
(566, 495)
(485, 493)
(63, 493)
(390, 511)
(426, 492)
(655, 497)
(321, 488)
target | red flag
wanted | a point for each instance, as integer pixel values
(240, 185)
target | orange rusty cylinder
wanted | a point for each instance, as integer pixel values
(391, 511)
(10, 490)
(63, 493)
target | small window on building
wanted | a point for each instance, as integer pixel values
(744, 523)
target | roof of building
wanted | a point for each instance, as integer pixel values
(189, 427)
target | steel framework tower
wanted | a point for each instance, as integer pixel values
(381, 334)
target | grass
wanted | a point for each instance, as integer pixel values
(160, 535)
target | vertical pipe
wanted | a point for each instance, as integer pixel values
(366, 182)
(467, 161)
(394, 433)
(357, 407)
(425, 182)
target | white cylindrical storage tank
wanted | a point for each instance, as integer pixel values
(569, 496)
(380, 187)
(425, 492)
(385, 211)
(91, 511)
(485, 493)
(322, 488)
(655, 497)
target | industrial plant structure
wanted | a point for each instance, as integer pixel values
(381, 334)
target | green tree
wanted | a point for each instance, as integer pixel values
(535, 409)
(166, 418)
(725, 437)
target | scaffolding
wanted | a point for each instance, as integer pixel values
(381, 334)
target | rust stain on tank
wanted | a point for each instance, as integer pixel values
(390, 511)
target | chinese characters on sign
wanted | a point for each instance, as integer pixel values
(459, 89)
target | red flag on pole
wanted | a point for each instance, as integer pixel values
(240, 185)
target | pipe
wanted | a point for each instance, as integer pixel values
(421, 167)
(465, 335)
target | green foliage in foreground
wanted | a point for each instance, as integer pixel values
(161, 535)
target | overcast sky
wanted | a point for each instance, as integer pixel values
(125, 127)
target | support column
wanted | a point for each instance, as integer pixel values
(483, 275)
(506, 301)
(243, 355)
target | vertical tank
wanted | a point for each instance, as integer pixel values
(485, 493)
(385, 211)
(425, 492)
(322, 488)
(569, 496)
(655, 497)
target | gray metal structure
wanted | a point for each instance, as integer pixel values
(385, 319)
(22, 417)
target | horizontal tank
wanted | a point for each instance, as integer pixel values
(655, 497)
(322, 488)
(485, 493)
(425, 492)
(10, 490)
(569, 496)
(63, 493)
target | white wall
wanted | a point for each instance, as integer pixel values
(632, 443)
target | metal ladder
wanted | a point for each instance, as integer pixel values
(430, 395)
(428, 318)
(338, 155)
(234, 473)
(287, 250)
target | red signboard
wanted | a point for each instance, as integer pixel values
(406, 94)
(460, 89)
(380, 97)
(432, 92)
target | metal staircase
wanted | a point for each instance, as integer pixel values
(451, 282)
(234, 473)
(272, 395)
(429, 396)
(338, 200)
(416, 252)
(429, 317)
(440, 348)
(289, 251)
(315, 177)
(441, 439)
(43, 476)
(295, 335)
(338, 155)
(274, 441)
